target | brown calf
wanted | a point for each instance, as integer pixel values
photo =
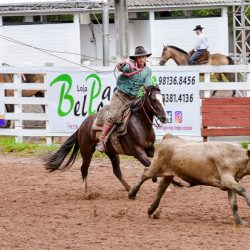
(216, 164)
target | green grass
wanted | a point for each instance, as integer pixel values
(244, 145)
(8, 145)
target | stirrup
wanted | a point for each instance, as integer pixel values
(101, 144)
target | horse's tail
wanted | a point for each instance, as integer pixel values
(55, 161)
(230, 60)
(232, 76)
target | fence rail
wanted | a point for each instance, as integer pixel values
(206, 87)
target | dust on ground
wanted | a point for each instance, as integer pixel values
(41, 210)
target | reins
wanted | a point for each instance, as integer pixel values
(142, 101)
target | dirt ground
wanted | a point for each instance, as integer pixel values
(41, 210)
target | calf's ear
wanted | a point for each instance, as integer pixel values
(248, 153)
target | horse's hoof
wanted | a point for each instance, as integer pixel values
(213, 93)
(241, 223)
(150, 210)
(154, 179)
(131, 195)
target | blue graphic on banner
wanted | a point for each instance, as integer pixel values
(2, 122)
(170, 116)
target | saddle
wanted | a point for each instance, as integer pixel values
(203, 58)
(119, 130)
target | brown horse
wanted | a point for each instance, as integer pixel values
(26, 78)
(138, 141)
(181, 58)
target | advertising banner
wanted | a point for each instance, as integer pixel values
(180, 91)
(74, 96)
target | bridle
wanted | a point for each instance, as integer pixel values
(141, 105)
(165, 60)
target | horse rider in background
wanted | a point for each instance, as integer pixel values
(200, 46)
(135, 74)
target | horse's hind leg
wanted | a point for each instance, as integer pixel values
(233, 202)
(165, 181)
(115, 160)
(219, 78)
(231, 78)
(86, 159)
(10, 109)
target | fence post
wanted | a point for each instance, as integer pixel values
(48, 138)
(207, 80)
(18, 107)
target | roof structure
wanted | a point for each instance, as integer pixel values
(169, 3)
(45, 6)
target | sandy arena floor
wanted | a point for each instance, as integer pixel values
(40, 210)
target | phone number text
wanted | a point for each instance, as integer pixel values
(180, 98)
(176, 80)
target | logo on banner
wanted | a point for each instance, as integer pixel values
(178, 117)
(2, 121)
(169, 116)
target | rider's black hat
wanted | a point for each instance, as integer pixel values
(140, 51)
(198, 27)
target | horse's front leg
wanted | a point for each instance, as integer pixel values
(134, 190)
(142, 156)
(115, 160)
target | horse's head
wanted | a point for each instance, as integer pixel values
(165, 56)
(155, 98)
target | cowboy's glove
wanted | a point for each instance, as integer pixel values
(121, 64)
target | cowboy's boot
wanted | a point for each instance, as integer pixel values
(102, 140)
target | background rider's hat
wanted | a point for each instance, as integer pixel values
(140, 51)
(198, 27)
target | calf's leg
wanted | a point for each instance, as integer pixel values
(233, 202)
(230, 183)
(165, 181)
(147, 174)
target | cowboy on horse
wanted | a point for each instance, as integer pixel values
(135, 74)
(200, 46)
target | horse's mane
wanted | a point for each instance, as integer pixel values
(149, 88)
(176, 48)
(152, 87)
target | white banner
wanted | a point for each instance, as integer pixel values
(74, 96)
(181, 93)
